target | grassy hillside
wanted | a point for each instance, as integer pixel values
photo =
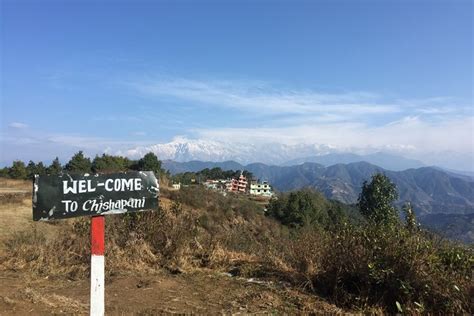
(332, 255)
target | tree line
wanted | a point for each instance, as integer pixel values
(79, 163)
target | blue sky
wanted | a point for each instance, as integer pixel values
(111, 75)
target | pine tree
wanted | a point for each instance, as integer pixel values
(31, 169)
(40, 168)
(55, 168)
(79, 163)
(149, 162)
(109, 163)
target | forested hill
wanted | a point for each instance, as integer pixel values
(429, 189)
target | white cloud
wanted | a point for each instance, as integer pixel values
(261, 98)
(18, 125)
(408, 135)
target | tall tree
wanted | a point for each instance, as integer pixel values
(149, 162)
(55, 167)
(377, 198)
(31, 169)
(79, 163)
(40, 168)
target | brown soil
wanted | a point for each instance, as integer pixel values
(199, 292)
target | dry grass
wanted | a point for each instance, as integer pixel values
(53, 301)
(15, 215)
(12, 185)
(352, 266)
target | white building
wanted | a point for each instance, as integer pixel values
(219, 185)
(261, 189)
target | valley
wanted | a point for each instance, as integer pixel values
(440, 199)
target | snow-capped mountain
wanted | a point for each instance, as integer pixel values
(183, 149)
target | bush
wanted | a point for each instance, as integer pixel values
(395, 269)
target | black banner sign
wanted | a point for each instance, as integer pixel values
(71, 195)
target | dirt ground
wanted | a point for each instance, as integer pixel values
(163, 293)
(200, 292)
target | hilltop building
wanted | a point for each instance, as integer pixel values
(261, 189)
(238, 185)
(218, 185)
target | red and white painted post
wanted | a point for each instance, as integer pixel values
(97, 266)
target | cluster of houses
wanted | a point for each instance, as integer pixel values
(241, 185)
(238, 185)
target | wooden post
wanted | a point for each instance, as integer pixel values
(97, 301)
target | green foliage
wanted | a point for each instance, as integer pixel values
(377, 198)
(410, 218)
(55, 168)
(381, 265)
(4, 172)
(18, 170)
(79, 163)
(339, 214)
(108, 163)
(33, 169)
(300, 208)
(149, 162)
(40, 168)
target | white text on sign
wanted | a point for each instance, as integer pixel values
(110, 185)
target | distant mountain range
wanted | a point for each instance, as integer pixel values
(183, 149)
(384, 160)
(430, 190)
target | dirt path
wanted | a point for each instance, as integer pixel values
(200, 292)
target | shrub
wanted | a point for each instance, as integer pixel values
(394, 268)
(300, 208)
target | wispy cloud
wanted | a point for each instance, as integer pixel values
(262, 98)
(18, 125)
(266, 100)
